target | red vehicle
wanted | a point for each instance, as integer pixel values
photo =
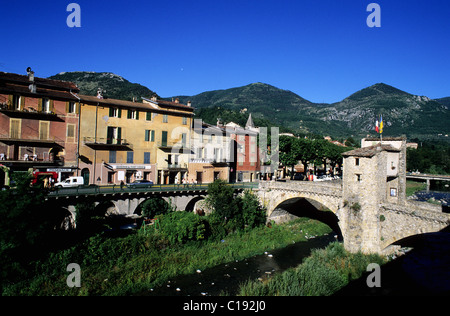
(39, 177)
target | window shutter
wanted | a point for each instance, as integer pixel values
(119, 135)
(137, 115)
(67, 106)
(40, 105)
(111, 112)
(120, 113)
(10, 102)
(22, 103)
(52, 106)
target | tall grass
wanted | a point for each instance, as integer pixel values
(322, 274)
(134, 264)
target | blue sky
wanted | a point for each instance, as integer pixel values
(321, 50)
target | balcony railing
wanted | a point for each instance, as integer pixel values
(107, 143)
(29, 113)
(35, 141)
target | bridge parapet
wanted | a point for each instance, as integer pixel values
(332, 188)
(401, 221)
(273, 194)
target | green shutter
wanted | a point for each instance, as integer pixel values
(149, 116)
(111, 112)
(120, 113)
(137, 115)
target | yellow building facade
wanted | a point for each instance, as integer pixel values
(124, 141)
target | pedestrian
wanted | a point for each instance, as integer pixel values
(45, 183)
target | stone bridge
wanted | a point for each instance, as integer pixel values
(126, 201)
(369, 232)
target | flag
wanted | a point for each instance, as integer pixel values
(381, 124)
(377, 126)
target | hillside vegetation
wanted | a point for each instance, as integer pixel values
(403, 113)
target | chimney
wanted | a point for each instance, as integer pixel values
(177, 100)
(30, 74)
(154, 98)
(189, 103)
(100, 93)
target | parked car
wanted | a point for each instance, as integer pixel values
(141, 183)
(70, 182)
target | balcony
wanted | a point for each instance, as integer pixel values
(31, 162)
(177, 166)
(30, 113)
(31, 142)
(118, 144)
(212, 161)
(175, 147)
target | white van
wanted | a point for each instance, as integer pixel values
(70, 182)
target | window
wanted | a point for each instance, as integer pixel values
(164, 139)
(147, 135)
(15, 128)
(18, 102)
(146, 158)
(130, 157)
(152, 136)
(133, 115)
(70, 130)
(356, 161)
(183, 140)
(112, 156)
(71, 107)
(184, 120)
(148, 116)
(46, 105)
(114, 135)
(358, 178)
(43, 130)
(115, 112)
(165, 118)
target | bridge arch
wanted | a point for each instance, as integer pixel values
(306, 207)
(191, 206)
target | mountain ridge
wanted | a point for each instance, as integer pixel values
(403, 112)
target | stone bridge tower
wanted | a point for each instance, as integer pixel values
(372, 175)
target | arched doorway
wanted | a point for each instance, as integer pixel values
(85, 173)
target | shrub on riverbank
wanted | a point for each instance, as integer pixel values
(134, 264)
(323, 273)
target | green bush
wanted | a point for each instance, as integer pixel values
(181, 227)
(155, 206)
(253, 214)
(323, 273)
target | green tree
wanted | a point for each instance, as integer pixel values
(155, 206)
(253, 214)
(289, 151)
(221, 199)
(24, 218)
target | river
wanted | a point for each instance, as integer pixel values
(226, 278)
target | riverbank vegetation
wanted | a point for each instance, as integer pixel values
(323, 273)
(133, 262)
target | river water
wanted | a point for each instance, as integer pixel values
(226, 278)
